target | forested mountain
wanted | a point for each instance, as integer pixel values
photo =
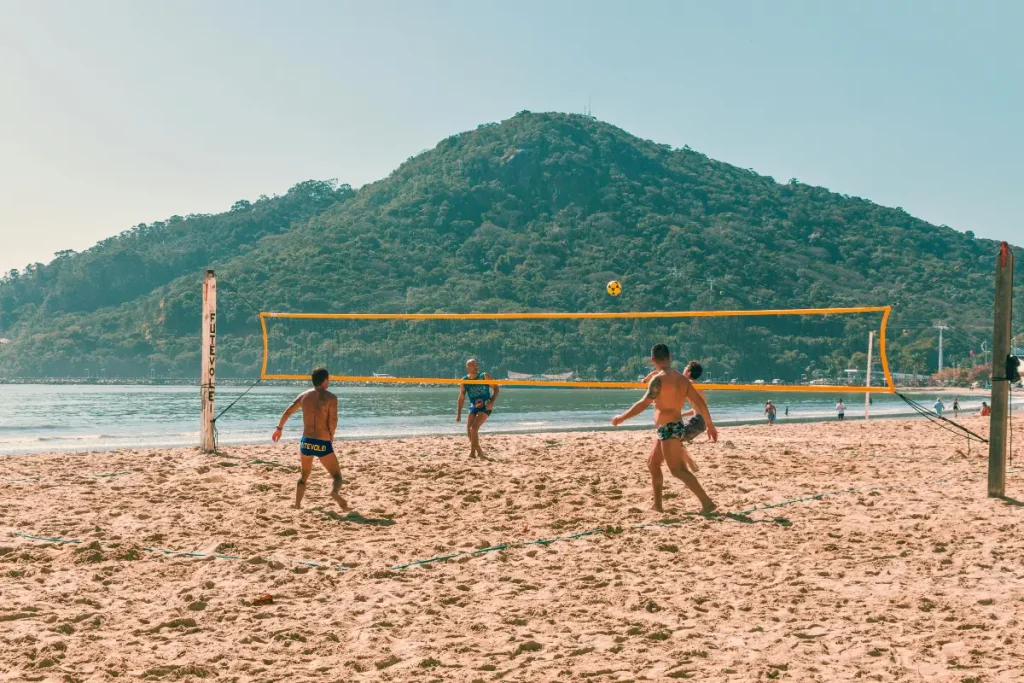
(534, 213)
(137, 261)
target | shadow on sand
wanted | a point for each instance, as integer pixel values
(740, 517)
(355, 518)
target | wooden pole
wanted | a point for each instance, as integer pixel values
(867, 383)
(207, 381)
(1000, 384)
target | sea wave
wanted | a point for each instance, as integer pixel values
(29, 428)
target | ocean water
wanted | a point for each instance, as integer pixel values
(49, 418)
(38, 418)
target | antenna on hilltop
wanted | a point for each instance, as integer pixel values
(588, 111)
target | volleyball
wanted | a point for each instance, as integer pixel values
(614, 288)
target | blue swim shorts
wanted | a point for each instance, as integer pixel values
(315, 447)
(479, 406)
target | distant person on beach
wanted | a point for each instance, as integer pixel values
(841, 410)
(481, 404)
(669, 390)
(770, 411)
(956, 407)
(985, 410)
(787, 411)
(939, 406)
(319, 420)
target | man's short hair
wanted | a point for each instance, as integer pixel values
(320, 375)
(660, 352)
(696, 370)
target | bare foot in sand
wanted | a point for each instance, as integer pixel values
(342, 503)
(297, 506)
(708, 508)
(657, 507)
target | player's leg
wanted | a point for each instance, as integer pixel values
(305, 466)
(330, 463)
(480, 419)
(672, 450)
(654, 467)
(688, 461)
(471, 433)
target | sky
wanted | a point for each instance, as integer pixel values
(116, 113)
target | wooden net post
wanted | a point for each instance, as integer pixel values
(207, 381)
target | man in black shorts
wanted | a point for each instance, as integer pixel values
(668, 389)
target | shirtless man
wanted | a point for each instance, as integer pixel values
(692, 372)
(668, 390)
(481, 403)
(319, 420)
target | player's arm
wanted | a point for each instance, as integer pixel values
(696, 399)
(462, 399)
(691, 412)
(289, 411)
(332, 417)
(494, 389)
(653, 391)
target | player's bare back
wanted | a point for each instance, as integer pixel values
(669, 390)
(316, 411)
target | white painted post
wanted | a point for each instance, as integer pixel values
(207, 381)
(941, 328)
(867, 383)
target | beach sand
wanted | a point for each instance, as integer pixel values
(915, 575)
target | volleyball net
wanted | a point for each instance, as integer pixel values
(823, 349)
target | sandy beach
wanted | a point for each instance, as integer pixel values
(902, 570)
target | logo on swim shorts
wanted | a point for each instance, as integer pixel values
(316, 446)
(479, 403)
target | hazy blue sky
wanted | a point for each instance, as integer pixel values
(115, 113)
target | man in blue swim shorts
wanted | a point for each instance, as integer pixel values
(319, 420)
(481, 403)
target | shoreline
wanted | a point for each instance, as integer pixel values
(34, 418)
(781, 423)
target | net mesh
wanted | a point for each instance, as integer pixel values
(799, 349)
